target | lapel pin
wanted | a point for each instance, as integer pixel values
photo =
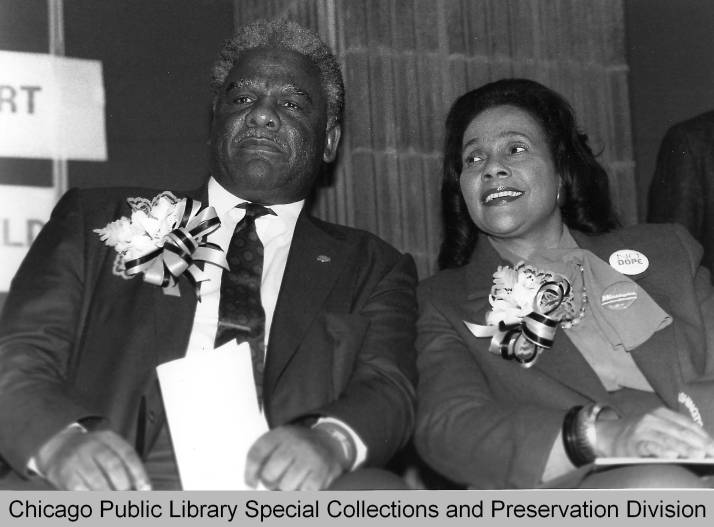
(627, 261)
(619, 296)
(323, 259)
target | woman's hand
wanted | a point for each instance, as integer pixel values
(661, 433)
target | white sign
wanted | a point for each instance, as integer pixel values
(51, 107)
(23, 213)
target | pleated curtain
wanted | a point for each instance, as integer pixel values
(405, 62)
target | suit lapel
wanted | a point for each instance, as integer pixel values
(173, 321)
(656, 358)
(566, 365)
(315, 260)
(173, 316)
(479, 279)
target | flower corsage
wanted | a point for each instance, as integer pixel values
(528, 305)
(163, 239)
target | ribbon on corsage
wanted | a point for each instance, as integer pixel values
(527, 307)
(163, 239)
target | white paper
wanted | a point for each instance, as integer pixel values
(700, 466)
(616, 461)
(213, 416)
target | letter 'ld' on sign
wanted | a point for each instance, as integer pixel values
(51, 107)
(628, 261)
(23, 212)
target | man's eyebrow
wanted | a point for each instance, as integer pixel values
(240, 83)
(290, 89)
(296, 90)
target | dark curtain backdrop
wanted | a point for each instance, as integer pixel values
(404, 63)
(156, 56)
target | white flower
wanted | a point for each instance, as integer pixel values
(159, 221)
(514, 291)
(147, 228)
(140, 246)
(512, 295)
(119, 234)
(504, 278)
(524, 291)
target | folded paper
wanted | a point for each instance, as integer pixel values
(213, 416)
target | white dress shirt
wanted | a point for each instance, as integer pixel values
(276, 234)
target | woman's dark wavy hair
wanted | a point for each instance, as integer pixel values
(585, 199)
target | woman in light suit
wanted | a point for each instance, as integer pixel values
(550, 337)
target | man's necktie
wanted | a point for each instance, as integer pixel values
(240, 312)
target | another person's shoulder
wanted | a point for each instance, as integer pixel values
(446, 284)
(445, 277)
(701, 125)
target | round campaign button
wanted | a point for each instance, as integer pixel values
(627, 261)
(619, 295)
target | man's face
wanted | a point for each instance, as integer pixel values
(269, 133)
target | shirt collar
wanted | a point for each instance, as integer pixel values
(223, 201)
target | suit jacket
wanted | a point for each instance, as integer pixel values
(80, 343)
(489, 423)
(682, 188)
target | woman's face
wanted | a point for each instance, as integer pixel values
(508, 179)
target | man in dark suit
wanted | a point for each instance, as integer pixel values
(682, 189)
(79, 341)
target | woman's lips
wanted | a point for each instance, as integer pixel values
(500, 196)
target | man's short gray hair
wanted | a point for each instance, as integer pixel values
(284, 34)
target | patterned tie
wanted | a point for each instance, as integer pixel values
(240, 312)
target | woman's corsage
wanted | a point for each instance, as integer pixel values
(527, 305)
(163, 239)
